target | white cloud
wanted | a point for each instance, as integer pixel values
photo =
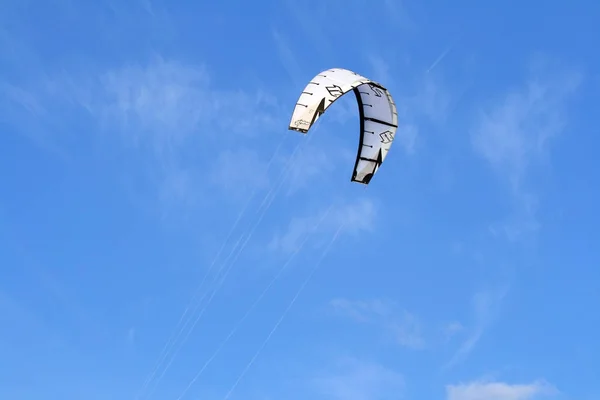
(164, 101)
(169, 107)
(406, 331)
(452, 329)
(158, 104)
(353, 218)
(170, 101)
(357, 216)
(351, 379)
(298, 228)
(513, 135)
(363, 311)
(499, 391)
(486, 305)
(401, 326)
(169, 115)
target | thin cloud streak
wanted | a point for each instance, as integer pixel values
(514, 135)
(357, 217)
(481, 390)
(486, 307)
(402, 327)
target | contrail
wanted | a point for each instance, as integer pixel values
(440, 58)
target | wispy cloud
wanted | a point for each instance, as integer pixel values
(486, 306)
(482, 390)
(168, 107)
(402, 326)
(170, 100)
(158, 104)
(354, 217)
(452, 329)
(363, 311)
(351, 379)
(513, 135)
(156, 111)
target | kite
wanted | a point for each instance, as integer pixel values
(376, 108)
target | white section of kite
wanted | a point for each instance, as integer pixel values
(376, 108)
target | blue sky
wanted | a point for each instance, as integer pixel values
(135, 133)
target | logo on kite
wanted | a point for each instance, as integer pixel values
(386, 137)
(334, 90)
(301, 122)
(378, 92)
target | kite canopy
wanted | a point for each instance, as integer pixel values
(376, 108)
